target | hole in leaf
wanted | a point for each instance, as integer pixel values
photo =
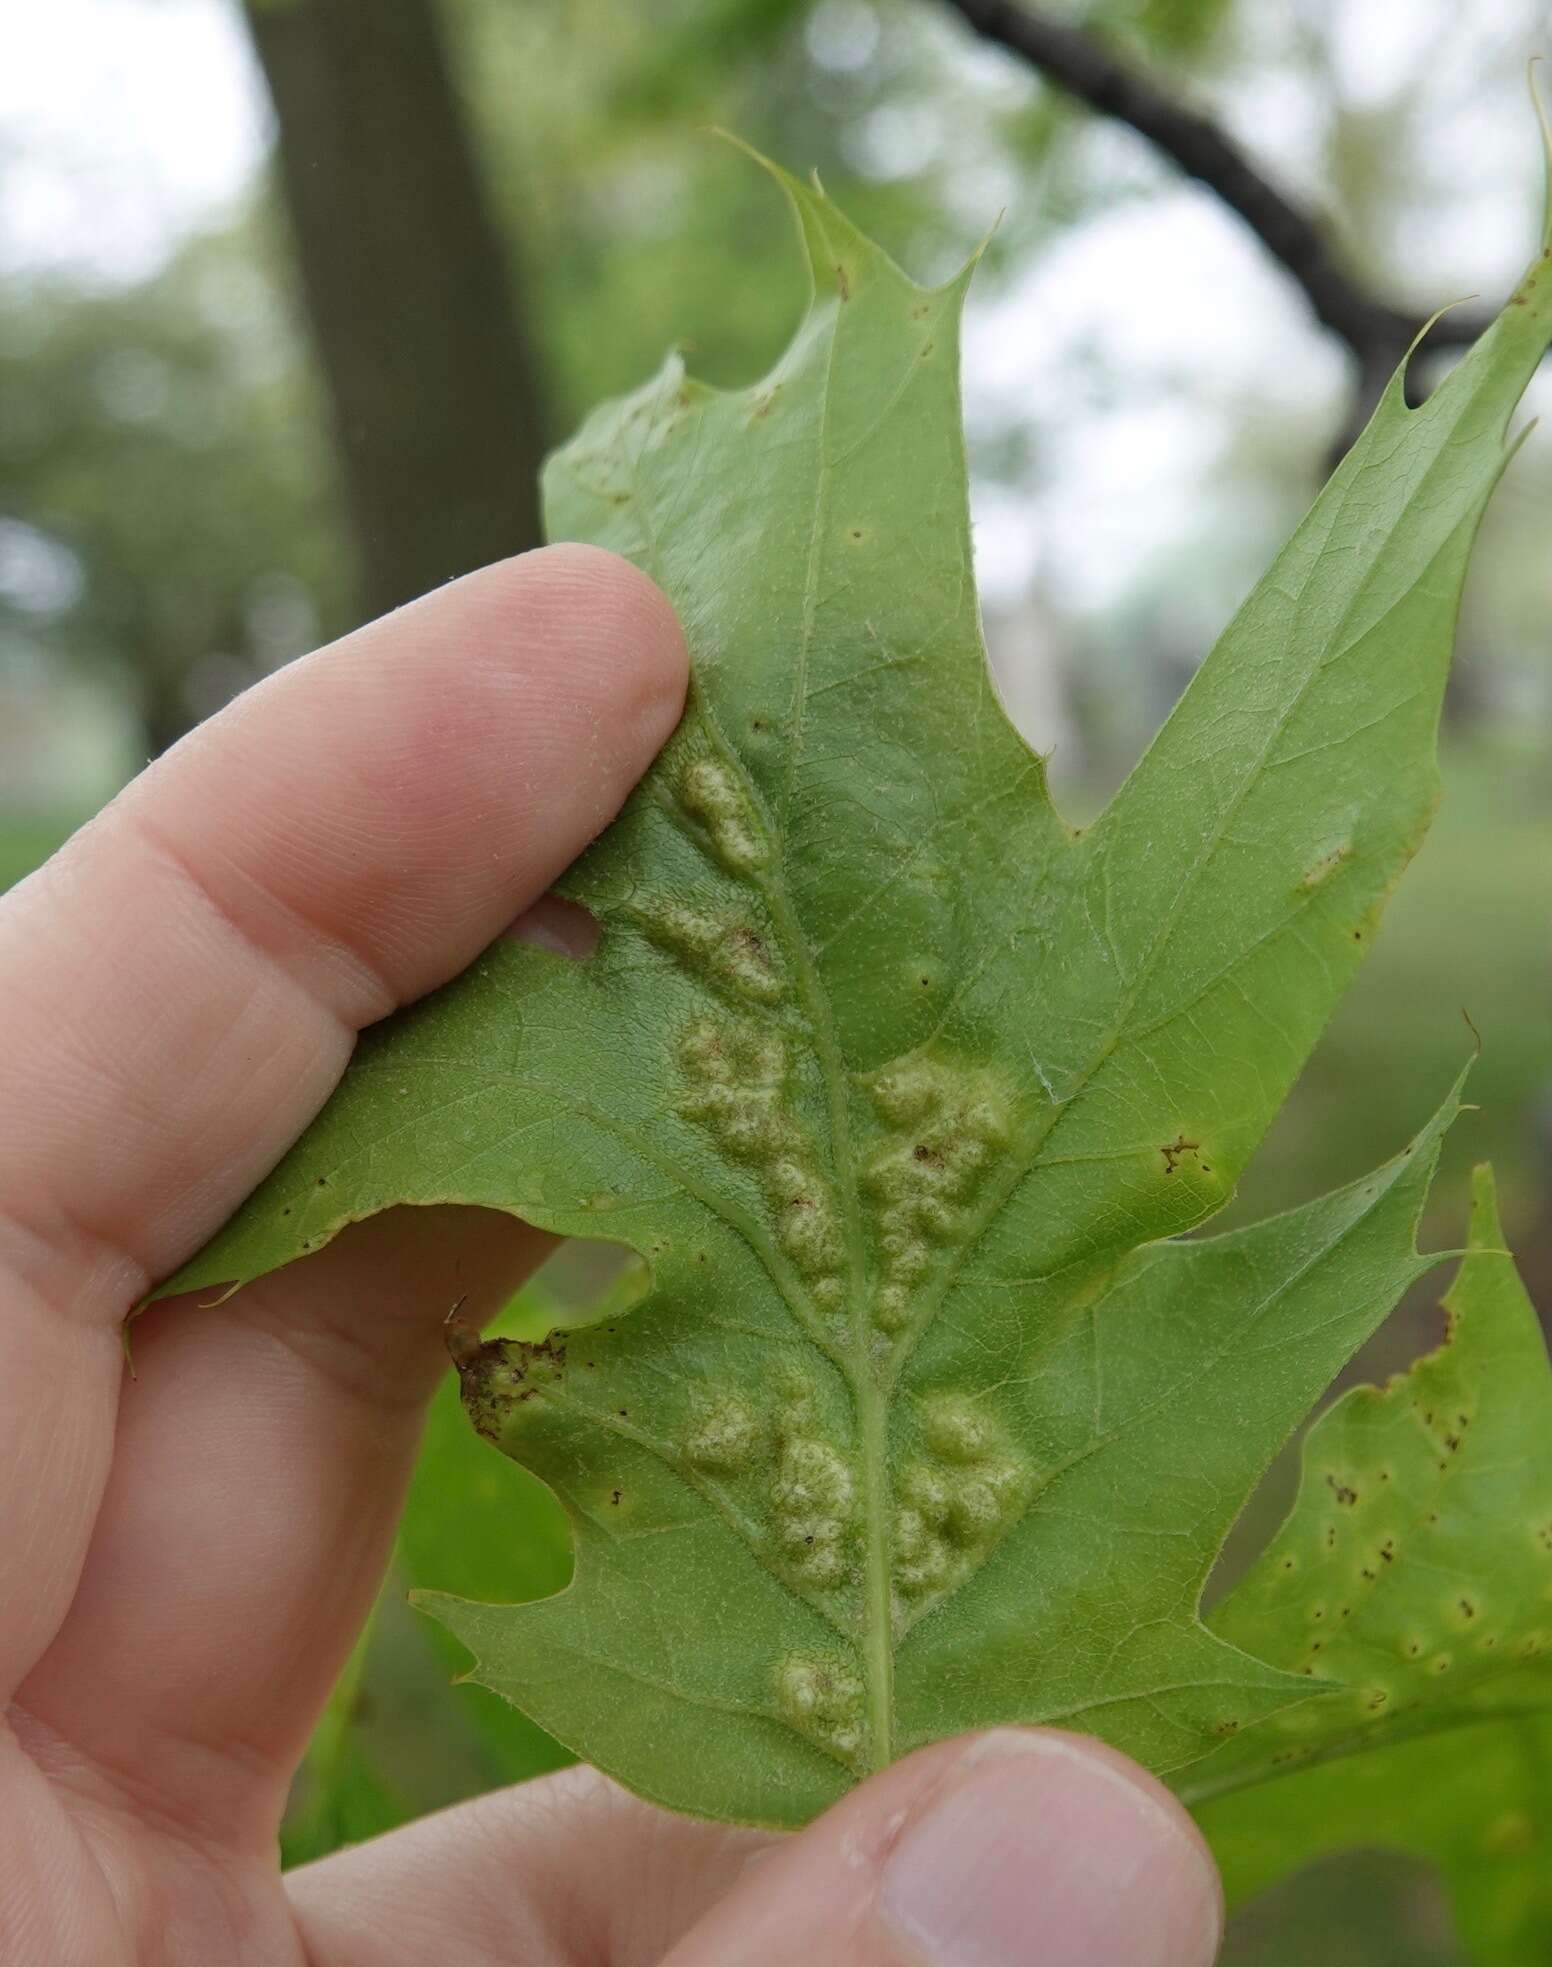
(556, 924)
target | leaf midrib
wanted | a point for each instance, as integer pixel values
(869, 1398)
(872, 1389)
(868, 1402)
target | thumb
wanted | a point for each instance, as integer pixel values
(1019, 1848)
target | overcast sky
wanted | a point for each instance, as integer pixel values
(123, 124)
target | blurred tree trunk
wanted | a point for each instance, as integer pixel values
(412, 296)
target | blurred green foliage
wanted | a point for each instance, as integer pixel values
(479, 1525)
(340, 1796)
(27, 841)
(168, 441)
(1465, 937)
(1369, 1909)
(402, 1735)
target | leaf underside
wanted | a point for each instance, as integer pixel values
(1415, 1571)
(900, 1085)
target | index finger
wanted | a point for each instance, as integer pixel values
(185, 981)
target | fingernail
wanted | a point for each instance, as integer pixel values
(1043, 1848)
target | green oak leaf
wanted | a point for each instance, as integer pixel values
(900, 1085)
(1416, 1572)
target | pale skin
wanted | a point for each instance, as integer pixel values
(186, 1557)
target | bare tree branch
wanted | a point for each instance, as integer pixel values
(1377, 333)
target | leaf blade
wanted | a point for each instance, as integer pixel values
(1454, 1769)
(881, 1067)
(1415, 1568)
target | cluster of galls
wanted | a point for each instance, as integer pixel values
(809, 1487)
(824, 1699)
(814, 1502)
(710, 793)
(726, 949)
(953, 1500)
(736, 1086)
(948, 1127)
(725, 1437)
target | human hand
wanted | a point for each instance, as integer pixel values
(186, 1559)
